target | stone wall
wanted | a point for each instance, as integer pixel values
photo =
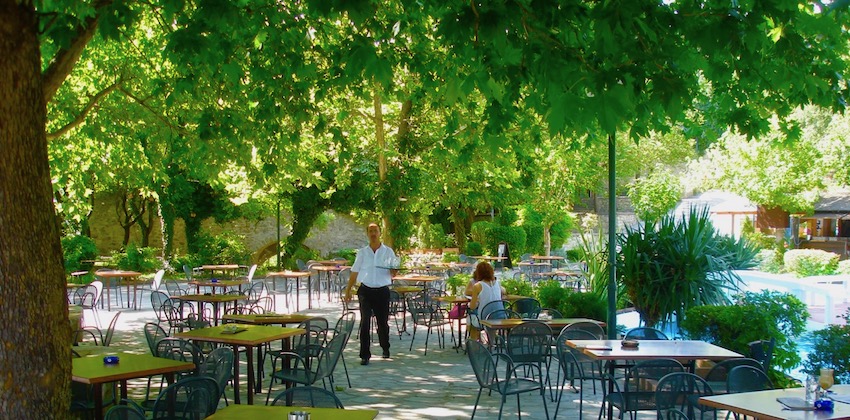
(260, 236)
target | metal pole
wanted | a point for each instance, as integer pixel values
(612, 237)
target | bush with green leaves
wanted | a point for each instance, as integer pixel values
(432, 236)
(141, 259)
(759, 239)
(348, 253)
(754, 316)
(654, 195)
(583, 305)
(474, 249)
(224, 248)
(680, 262)
(550, 293)
(450, 257)
(810, 262)
(843, 267)
(456, 284)
(831, 349)
(77, 249)
(769, 261)
(518, 287)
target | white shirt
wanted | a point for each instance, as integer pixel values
(366, 266)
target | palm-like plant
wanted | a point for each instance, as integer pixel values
(667, 267)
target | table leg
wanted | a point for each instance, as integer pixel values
(250, 352)
(310, 292)
(258, 386)
(297, 295)
(97, 389)
(236, 399)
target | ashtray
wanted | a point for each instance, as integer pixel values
(110, 360)
(630, 344)
(214, 281)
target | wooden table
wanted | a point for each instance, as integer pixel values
(548, 258)
(685, 351)
(267, 319)
(239, 412)
(215, 300)
(91, 370)
(328, 270)
(763, 404)
(418, 278)
(223, 268)
(213, 283)
(297, 276)
(121, 277)
(252, 336)
(556, 323)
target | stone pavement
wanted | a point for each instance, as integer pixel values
(409, 385)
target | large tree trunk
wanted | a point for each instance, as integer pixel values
(34, 357)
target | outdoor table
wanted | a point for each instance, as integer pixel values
(249, 336)
(404, 291)
(267, 318)
(218, 283)
(120, 277)
(763, 404)
(554, 259)
(223, 268)
(685, 351)
(91, 370)
(457, 301)
(297, 276)
(239, 412)
(418, 278)
(556, 323)
(328, 270)
(490, 259)
(215, 300)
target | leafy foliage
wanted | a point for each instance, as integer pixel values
(76, 249)
(141, 259)
(844, 267)
(755, 316)
(474, 248)
(831, 349)
(655, 195)
(810, 262)
(224, 248)
(679, 263)
(518, 287)
(456, 284)
(348, 253)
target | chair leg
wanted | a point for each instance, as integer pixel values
(475, 407)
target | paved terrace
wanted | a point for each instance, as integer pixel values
(409, 385)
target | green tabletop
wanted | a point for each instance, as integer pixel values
(280, 412)
(92, 370)
(252, 335)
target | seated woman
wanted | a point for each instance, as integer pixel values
(484, 289)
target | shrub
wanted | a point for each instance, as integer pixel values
(348, 253)
(810, 262)
(456, 284)
(450, 257)
(474, 248)
(142, 259)
(844, 267)
(514, 236)
(224, 248)
(583, 305)
(432, 236)
(755, 316)
(77, 249)
(518, 287)
(769, 261)
(551, 294)
(831, 349)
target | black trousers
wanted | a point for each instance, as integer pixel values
(374, 302)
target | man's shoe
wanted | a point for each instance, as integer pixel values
(386, 354)
(364, 362)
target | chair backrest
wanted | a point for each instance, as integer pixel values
(645, 333)
(257, 290)
(153, 333)
(189, 398)
(345, 323)
(762, 350)
(97, 288)
(110, 332)
(173, 288)
(529, 342)
(218, 364)
(307, 396)
(251, 272)
(485, 311)
(590, 327)
(157, 299)
(649, 370)
(317, 332)
(188, 272)
(157, 280)
(263, 305)
(720, 371)
(746, 379)
(550, 313)
(482, 363)
(674, 414)
(302, 266)
(124, 412)
(527, 307)
(503, 314)
(574, 359)
(329, 357)
(681, 391)
(179, 349)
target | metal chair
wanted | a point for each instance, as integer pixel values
(426, 313)
(682, 391)
(189, 398)
(218, 365)
(90, 298)
(179, 349)
(634, 396)
(345, 325)
(527, 307)
(645, 333)
(591, 327)
(719, 373)
(308, 346)
(105, 337)
(487, 373)
(125, 412)
(307, 396)
(157, 299)
(762, 350)
(306, 373)
(529, 345)
(747, 379)
(576, 366)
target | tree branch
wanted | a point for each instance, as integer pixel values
(155, 113)
(66, 58)
(82, 115)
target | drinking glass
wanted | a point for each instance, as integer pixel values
(826, 379)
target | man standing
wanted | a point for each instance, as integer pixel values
(374, 291)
